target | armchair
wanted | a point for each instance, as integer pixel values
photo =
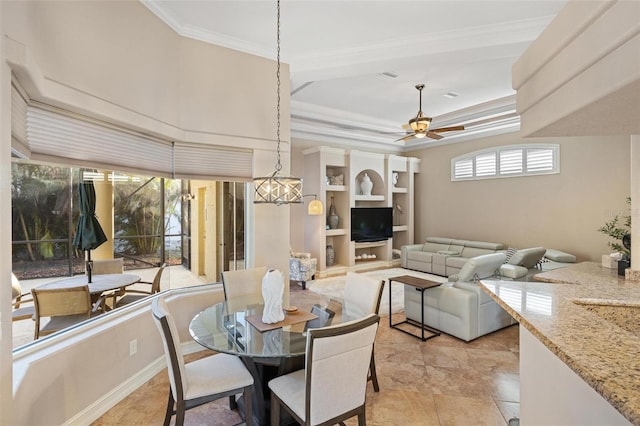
(302, 268)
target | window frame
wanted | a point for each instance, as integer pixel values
(463, 160)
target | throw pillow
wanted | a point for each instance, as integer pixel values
(528, 257)
(510, 252)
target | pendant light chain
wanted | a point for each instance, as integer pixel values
(276, 189)
(278, 164)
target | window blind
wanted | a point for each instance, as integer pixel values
(19, 146)
(57, 137)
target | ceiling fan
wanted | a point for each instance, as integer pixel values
(419, 125)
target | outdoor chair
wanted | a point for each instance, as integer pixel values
(130, 295)
(332, 386)
(21, 312)
(243, 282)
(362, 296)
(64, 307)
(201, 381)
(107, 266)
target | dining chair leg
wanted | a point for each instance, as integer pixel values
(275, 410)
(169, 412)
(362, 418)
(248, 405)
(373, 376)
(180, 411)
(233, 404)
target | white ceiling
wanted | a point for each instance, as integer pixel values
(339, 50)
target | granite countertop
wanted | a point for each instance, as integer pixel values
(590, 318)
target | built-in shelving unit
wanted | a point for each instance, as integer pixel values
(336, 175)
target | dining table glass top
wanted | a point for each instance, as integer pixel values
(224, 327)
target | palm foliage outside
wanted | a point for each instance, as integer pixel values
(45, 212)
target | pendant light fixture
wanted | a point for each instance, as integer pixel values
(276, 189)
(315, 207)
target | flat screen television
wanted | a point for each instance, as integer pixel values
(371, 224)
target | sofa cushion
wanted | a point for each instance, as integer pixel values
(527, 258)
(439, 240)
(456, 261)
(434, 247)
(559, 256)
(484, 245)
(420, 256)
(470, 252)
(449, 252)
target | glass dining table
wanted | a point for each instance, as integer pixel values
(228, 327)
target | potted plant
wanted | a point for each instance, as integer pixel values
(620, 230)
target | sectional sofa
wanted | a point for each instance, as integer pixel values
(460, 307)
(444, 256)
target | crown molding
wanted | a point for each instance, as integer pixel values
(425, 44)
(208, 36)
(473, 37)
(353, 130)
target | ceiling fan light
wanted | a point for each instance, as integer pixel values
(420, 135)
(420, 124)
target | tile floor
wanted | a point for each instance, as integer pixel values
(443, 381)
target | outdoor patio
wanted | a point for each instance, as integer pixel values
(175, 276)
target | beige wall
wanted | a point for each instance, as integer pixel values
(298, 212)
(561, 211)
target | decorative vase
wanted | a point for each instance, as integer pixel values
(331, 255)
(333, 219)
(366, 185)
(395, 179)
(272, 291)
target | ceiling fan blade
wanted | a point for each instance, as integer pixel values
(448, 129)
(406, 138)
(434, 135)
(406, 126)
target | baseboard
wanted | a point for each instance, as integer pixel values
(94, 411)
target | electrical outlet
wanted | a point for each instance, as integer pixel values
(133, 347)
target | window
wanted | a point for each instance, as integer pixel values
(507, 161)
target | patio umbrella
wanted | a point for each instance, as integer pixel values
(89, 233)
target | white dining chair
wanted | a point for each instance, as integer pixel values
(362, 296)
(243, 282)
(201, 381)
(332, 386)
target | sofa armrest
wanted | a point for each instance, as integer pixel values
(408, 248)
(513, 271)
(559, 256)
